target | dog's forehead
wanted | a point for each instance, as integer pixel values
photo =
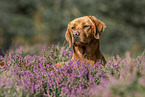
(81, 20)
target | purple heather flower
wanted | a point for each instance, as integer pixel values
(52, 46)
(62, 49)
(74, 78)
(64, 53)
(20, 50)
(1, 57)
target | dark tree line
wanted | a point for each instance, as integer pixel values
(45, 21)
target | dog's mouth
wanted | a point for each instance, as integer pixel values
(80, 44)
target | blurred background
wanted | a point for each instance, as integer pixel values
(31, 22)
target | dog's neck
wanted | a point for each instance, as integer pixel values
(88, 51)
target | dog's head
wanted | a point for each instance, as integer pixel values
(82, 30)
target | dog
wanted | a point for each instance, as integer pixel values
(83, 35)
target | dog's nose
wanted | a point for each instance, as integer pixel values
(76, 34)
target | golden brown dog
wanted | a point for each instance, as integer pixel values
(83, 34)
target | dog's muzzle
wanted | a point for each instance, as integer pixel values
(76, 39)
(76, 36)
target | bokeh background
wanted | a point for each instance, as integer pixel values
(31, 22)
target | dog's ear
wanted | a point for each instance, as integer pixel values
(99, 26)
(68, 35)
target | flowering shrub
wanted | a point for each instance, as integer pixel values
(38, 75)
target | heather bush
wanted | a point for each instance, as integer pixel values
(30, 74)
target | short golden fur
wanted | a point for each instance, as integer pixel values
(83, 35)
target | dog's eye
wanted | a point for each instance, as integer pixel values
(86, 26)
(73, 28)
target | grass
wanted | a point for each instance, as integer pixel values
(33, 72)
